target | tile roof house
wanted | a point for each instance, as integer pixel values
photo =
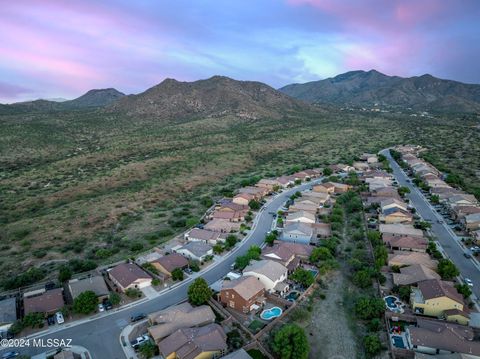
(222, 226)
(195, 343)
(401, 258)
(287, 253)
(233, 216)
(243, 198)
(167, 321)
(460, 212)
(8, 313)
(286, 181)
(327, 187)
(195, 250)
(238, 354)
(472, 222)
(269, 184)
(433, 297)
(300, 216)
(393, 203)
(400, 230)
(48, 302)
(95, 284)
(303, 206)
(395, 215)
(318, 198)
(440, 337)
(243, 294)
(416, 244)
(462, 199)
(268, 272)
(205, 236)
(167, 264)
(230, 206)
(297, 232)
(129, 275)
(414, 274)
(257, 192)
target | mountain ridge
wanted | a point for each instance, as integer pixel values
(373, 88)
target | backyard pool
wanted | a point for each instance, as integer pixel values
(398, 341)
(394, 304)
(314, 272)
(292, 296)
(271, 313)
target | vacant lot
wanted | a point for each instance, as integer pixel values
(103, 187)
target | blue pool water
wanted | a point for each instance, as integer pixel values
(398, 341)
(314, 272)
(391, 302)
(271, 313)
(292, 296)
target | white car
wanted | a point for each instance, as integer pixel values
(101, 308)
(139, 341)
(59, 318)
(468, 281)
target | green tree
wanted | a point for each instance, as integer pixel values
(33, 320)
(64, 273)
(254, 252)
(302, 277)
(253, 204)
(191, 221)
(375, 237)
(270, 238)
(290, 342)
(133, 293)
(199, 292)
(369, 307)
(114, 298)
(435, 199)
(85, 303)
(241, 262)
(363, 278)
(230, 241)
(218, 248)
(327, 171)
(464, 290)
(402, 191)
(177, 274)
(404, 292)
(320, 254)
(372, 345)
(147, 350)
(447, 269)
(381, 256)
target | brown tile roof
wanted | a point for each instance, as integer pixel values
(203, 234)
(188, 343)
(172, 262)
(246, 287)
(285, 251)
(406, 242)
(270, 269)
(444, 336)
(414, 274)
(222, 225)
(401, 229)
(96, 284)
(48, 302)
(409, 258)
(434, 288)
(450, 312)
(127, 273)
(167, 321)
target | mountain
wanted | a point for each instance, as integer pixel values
(216, 96)
(370, 88)
(91, 99)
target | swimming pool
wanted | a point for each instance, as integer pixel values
(292, 296)
(394, 304)
(314, 272)
(398, 341)
(271, 313)
(390, 301)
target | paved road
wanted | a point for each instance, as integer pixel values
(444, 235)
(100, 334)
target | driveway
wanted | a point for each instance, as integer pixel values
(100, 334)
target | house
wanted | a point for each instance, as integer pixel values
(457, 316)
(205, 236)
(416, 244)
(414, 274)
(376, 184)
(269, 273)
(401, 259)
(166, 322)
(340, 167)
(238, 354)
(440, 337)
(95, 284)
(387, 192)
(48, 302)
(129, 275)
(297, 232)
(317, 198)
(285, 181)
(369, 158)
(341, 187)
(222, 226)
(243, 198)
(471, 222)
(300, 216)
(327, 187)
(268, 184)
(393, 203)
(8, 313)
(227, 205)
(433, 297)
(287, 253)
(400, 230)
(376, 174)
(459, 212)
(257, 192)
(167, 264)
(395, 215)
(243, 294)
(462, 200)
(194, 250)
(67, 354)
(303, 206)
(232, 216)
(205, 342)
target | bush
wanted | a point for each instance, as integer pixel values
(86, 302)
(199, 292)
(177, 274)
(303, 277)
(114, 298)
(133, 293)
(64, 273)
(447, 270)
(31, 276)
(372, 345)
(290, 342)
(320, 254)
(369, 307)
(363, 278)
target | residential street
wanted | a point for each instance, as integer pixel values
(100, 333)
(444, 235)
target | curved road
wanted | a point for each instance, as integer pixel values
(100, 333)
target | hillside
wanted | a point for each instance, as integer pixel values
(362, 89)
(216, 96)
(91, 99)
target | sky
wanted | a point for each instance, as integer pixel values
(61, 49)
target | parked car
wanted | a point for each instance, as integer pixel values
(101, 308)
(139, 341)
(107, 304)
(468, 282)
(439, 221)
(59, 318)
(475, 249)
(467, 255)
(137, 317)
(51, 320)
(9, 355)
(49, 285)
